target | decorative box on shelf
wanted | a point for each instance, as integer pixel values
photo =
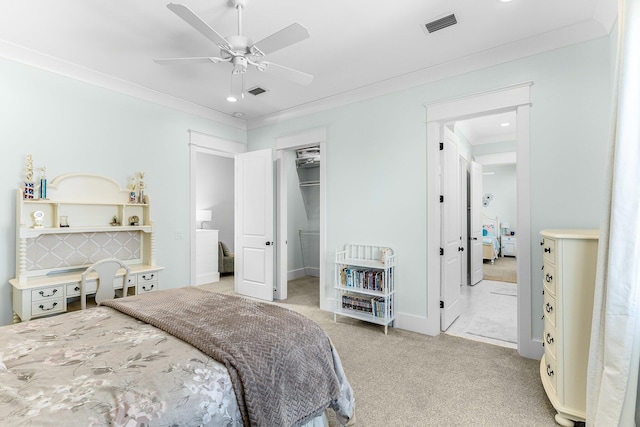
(365, 284)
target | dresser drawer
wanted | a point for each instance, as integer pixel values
(549, 371)
(47, 293)
(549, 278)
(549, 250)
(73, 289)
(147, 277)
(550, 308)
(550, 339)
(146, 287)
(47, 306)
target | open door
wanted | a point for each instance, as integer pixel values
(475, 235)
(254, 253)
(450, 239)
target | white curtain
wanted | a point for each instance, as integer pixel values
(614, 357)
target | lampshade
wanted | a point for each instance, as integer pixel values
(203, 215)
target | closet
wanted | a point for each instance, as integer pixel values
(308, 170)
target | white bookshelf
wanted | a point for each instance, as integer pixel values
(365, 284)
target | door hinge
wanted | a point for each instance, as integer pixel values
(441, 146)
(441, 199)
(441, 304)
(441, 251)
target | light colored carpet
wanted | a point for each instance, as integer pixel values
(409, 379)
(504, 270)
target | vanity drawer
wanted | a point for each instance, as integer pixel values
(549, 277)
(549, 250)
(147, 277)
(146, 287)
(47, 306)
(550, 308)
(47, 293)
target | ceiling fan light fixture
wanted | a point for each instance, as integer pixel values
(232, 98)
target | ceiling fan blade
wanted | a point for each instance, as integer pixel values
(287, 73)
(192, 60)
(292, 34)
(194, 20)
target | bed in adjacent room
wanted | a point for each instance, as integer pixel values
(180, 357)
(490, 238)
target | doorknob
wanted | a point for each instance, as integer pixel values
(269, 243)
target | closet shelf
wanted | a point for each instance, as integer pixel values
(309, 183)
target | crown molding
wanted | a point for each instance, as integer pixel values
(49, 63)
(581, 32)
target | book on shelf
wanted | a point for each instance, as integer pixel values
(372, 280)
(375, 306)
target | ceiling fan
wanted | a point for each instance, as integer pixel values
(239, 50)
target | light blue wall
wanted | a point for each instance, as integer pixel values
(70, 126)
(376, 159)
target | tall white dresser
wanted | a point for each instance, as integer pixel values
(570, 258)
(206, 256)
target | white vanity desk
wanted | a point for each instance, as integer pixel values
(51, 258)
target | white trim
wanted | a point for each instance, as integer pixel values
(301, 139)
(506, 158)
(203, 143)
(296, 274)
(506, 99)
(315, 136)
(45, 62)
(580, 32)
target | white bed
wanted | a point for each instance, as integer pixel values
(490, 238)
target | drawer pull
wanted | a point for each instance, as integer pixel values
(41, 307)
(549, 370)
(144, 288)
(76, 289)
(548, 278)
(47, 296)
(547, 250)
(148, 277)
(549, 338)
(549, 308)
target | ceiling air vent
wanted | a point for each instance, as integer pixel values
(256, 91)
(441, 23)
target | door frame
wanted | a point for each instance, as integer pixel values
(513, 98)
(308, 138)
(200, 142)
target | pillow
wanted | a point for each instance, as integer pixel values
(485, 232)
(225, 249)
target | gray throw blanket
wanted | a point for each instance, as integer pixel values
(280, 362)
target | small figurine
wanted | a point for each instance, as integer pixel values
(132, 189)
(115, 221)
(141, 187)
(29, 185)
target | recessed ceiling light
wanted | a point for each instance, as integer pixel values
(238, 114)
(504, 1)
(504, 125)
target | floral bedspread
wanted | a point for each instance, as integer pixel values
(100, 367)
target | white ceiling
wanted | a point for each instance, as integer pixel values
(489, 129)
(357, 48)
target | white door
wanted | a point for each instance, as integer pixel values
(450, 239)
(464, 220)
(476, 223)
(254, 224)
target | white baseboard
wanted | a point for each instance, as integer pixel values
(296, 274)
(312, 271)
(413, 323)
(207, 278)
